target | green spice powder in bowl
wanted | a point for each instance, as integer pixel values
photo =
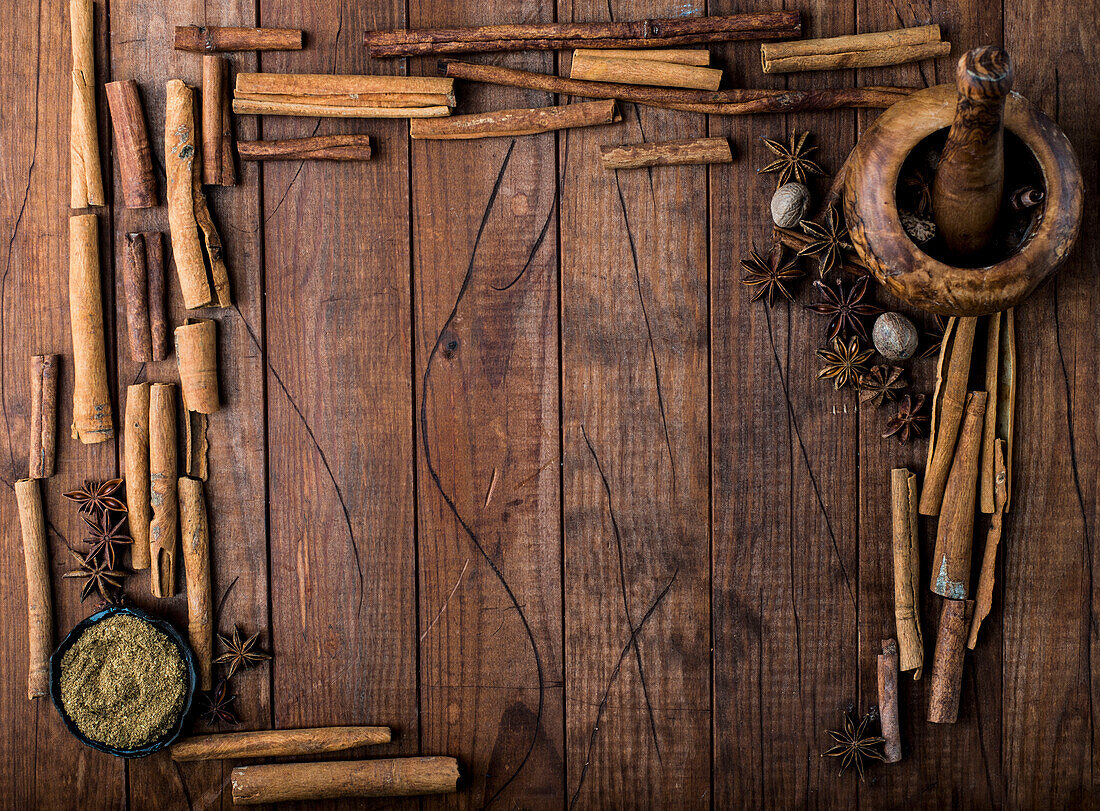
(123, 681)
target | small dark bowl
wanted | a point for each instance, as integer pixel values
(159, 624)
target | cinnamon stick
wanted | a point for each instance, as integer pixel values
(208, 39)
(217, 126)
(32, 522)
(135, 158)
(666, 153)
(395, 777)
(947, 662)
(952, 373)
(984, 597)
(200, 264)
(718, 102)
(136, 450)
(85, 178)
(989, 430)
(516, 122)
(678, 56)
(162, 489)
(43, 415)
(906, 546)
(91, 398)
(318, 147)
(888, 700)
(439, 90)
(277, 743)
(135, 286)
(630, 70)
(1006, 395)
(154, 276)
(854, 51)
(322, 109)
(195, 537)
(196, 356)
(369, 101)
(195, 426)
(551, 36)
(955, 531)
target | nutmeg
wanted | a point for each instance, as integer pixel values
(789, 204)
(894, 336)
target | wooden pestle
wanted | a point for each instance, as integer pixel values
(966, 194)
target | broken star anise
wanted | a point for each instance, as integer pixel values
(917, 186)
(216, 706)
(854, 746)
(934, 336)
(828, 241)
(792, 159)
(98, 576)
(908, 420)
(770, 276)
(845, 308)
(96, 497)
(104, 536)
(844, 362)
(240, 653)
(880, 385)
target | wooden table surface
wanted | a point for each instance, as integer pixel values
(508, 460)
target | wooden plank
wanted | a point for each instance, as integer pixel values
(339, 404)
(235, 489)
(784, 491)
(1051, 671)
(484, 225)
(634, 414)
(938, 759)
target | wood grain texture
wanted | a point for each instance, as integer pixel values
(486, 327)
(339, 406)
(634, 297)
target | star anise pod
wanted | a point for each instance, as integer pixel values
(216, 706)
(792, 159)
(908, 421)
(917, 185)
(96, 497)
(934, 336)
(830, 240)
(104, 536)
(98, 576)
(854, 746)
(880, 385)
(241, 653)
(770, 276)
(844, 362)
(845, 308)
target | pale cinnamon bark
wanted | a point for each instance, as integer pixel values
(854, 51)
(1006, 395)
(195, 540)
(135, 158)
(43, 415)
(317, 84)
(200, 263)
(312, 109)
(277, 743)
(646, 72)
(395, 777)
(318, 147)
(955, 530)
(947, 663)
(516, 122)
(948, 398)
(666, 153)
(679, 56)
(197, 359)
(888, 700)
(85, 176)
(92, 421)
(198, 445)
(906, 547)
(989, 430)
(32, 521)
(209, 39)
(136, 454)
(984, 596)
(217, 125)
(163, 497)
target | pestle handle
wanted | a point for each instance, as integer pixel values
(966, 194)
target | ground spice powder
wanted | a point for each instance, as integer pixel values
(123, 682)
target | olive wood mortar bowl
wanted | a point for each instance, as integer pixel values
(871, 212)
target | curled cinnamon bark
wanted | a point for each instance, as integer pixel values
(86, 179)
(515, 122)
(136, 455)
(43, 415)
(135, 159)
(217, 125)
(92, 420)
(208, 39)
(163, 497)
(195, 536)
(196, 355)
(32, 521)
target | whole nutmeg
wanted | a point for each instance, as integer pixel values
(789, 204)
(894, 336)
